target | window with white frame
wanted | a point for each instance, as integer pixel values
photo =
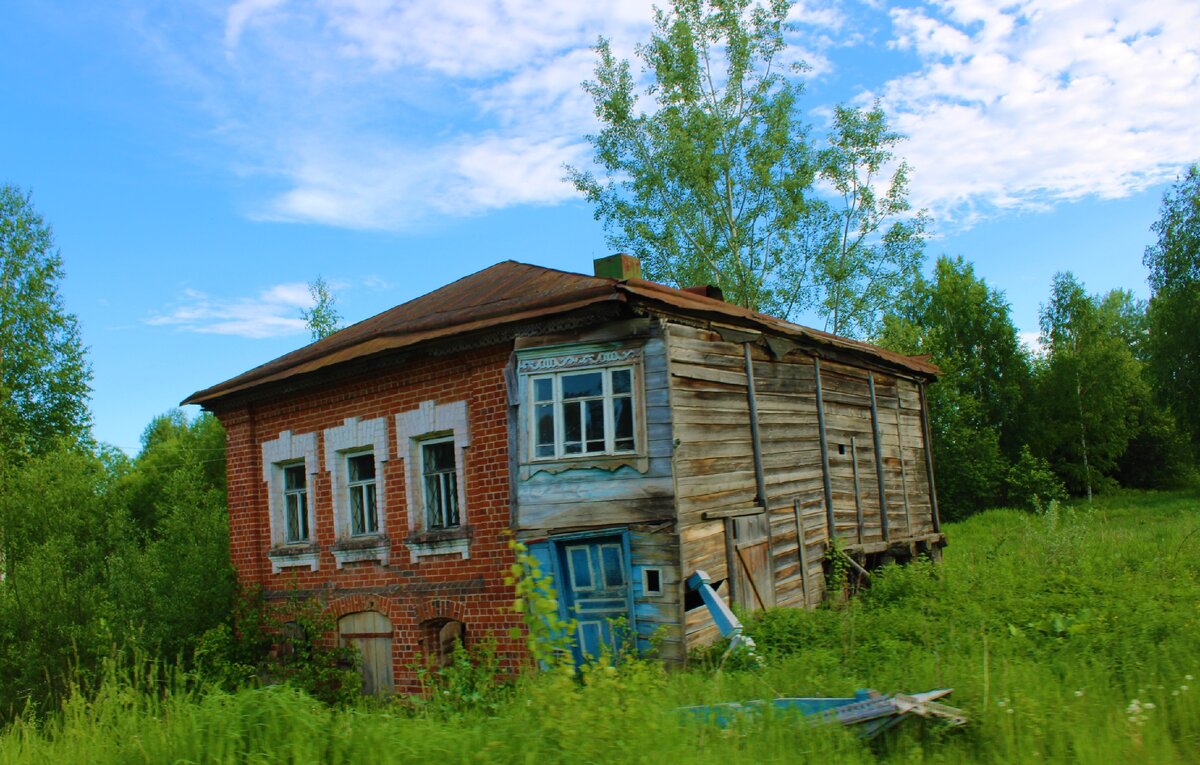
(289, 465)
(360, 483)
(434, 439)
(356, 454)
(439, 483)
(585, 412)
(295, 504)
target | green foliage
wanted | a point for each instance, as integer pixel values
(712, 182)
(44, 375)
(976, 409)
(1068, 637)
(323, 319)
(871, 248)
(1090, 388)
(470, 684)
(1174, 264)
(548, 636)
(1031, 484)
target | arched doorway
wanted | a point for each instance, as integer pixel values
(438, 638)
(371, 633)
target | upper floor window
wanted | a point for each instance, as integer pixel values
(356, 456)
(584, 412)
(289, 465)
(295, 502)
(439, 474)
(360, 482)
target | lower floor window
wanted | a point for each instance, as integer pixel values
(440, 484)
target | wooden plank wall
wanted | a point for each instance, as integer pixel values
(714, 460)
(596, 496)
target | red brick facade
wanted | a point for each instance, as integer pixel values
(437, 587)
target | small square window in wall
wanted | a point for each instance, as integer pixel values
(652, 582)
(289, 463)
(355, 455)
(434, 438)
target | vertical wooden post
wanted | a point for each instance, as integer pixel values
(857, 496)
(824, 451)
(730, 563)
(760, 480)
(801, 549)
(933, 503)
(904, 471)
(883, 510)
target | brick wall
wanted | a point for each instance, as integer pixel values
(441, 586)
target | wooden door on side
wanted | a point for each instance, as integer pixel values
(755, 589)
(371, 633)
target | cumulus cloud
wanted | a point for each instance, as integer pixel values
(1022, 105)
(274, 312)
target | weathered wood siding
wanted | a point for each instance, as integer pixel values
(715, 470)
(598, 496)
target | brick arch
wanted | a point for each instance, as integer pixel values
(439, 608)
(352, 604)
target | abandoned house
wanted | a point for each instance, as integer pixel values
(629, 433)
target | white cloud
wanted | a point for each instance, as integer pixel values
(380, 114)
(1021, 105)
(275, 312)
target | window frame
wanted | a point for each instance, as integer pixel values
(452, 493)
(608, 396)
(432, 421)
(302, 512)
(288, 451)
(356, 438)
(369, 530)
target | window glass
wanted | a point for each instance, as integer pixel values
(622, 381)
(440, 485)
(583, 385)
(578, 413)
(295, 500)
(362, 468)
(293, 477)
(364, 516)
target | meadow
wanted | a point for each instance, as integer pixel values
(1069, 636)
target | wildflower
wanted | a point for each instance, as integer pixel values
(1183, 688)
(1175, 692)
(1079, 693)
(1148, 705)
(1010, 710)
(1189, 678)
(1001, 702)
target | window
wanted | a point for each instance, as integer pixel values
(581, 413)
(439, 476)
(289, 464)
(295, 502)
(435, 439)
(356, 456)
(364, 513)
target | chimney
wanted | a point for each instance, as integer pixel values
(619, 266)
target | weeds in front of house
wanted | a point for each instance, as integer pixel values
(1069, 637)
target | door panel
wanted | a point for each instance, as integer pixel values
(371, 633)
(596, 592)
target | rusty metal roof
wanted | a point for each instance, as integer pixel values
(509, 293)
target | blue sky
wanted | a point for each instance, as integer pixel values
(200, 162)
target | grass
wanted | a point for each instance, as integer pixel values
(1069, 637)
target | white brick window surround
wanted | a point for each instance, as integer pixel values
(432, 440)
(355, 455)
(289, 465)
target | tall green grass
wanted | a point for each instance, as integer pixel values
(1069, 637)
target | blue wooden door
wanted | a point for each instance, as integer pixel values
(596, 593)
